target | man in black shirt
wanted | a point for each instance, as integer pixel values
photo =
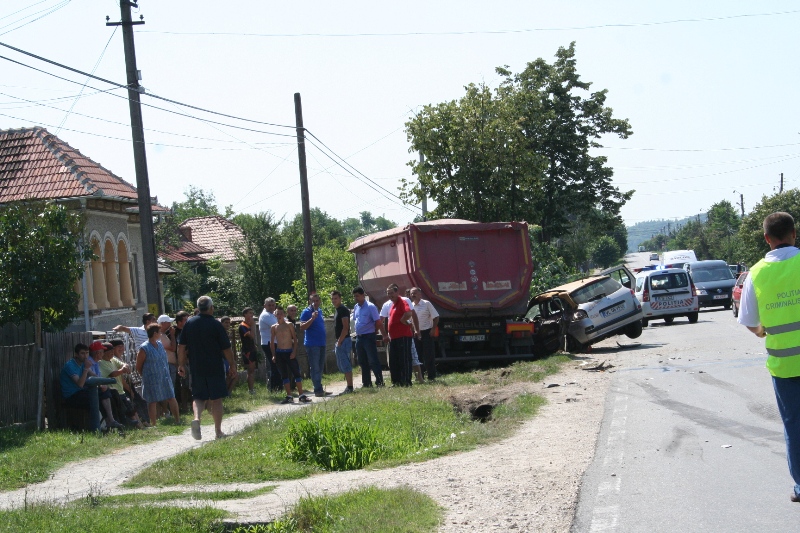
(208, 343)
(344, 345)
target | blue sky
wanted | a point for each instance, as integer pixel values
(709, 88)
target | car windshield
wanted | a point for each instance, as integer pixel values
(596, 290)
(678, 280)
(711, 274)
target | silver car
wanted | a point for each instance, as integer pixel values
(586, 312)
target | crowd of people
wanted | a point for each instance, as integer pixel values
(197, 351)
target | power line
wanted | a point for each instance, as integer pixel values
(23, 9)
(52, 10)
(695, 149)
(485, 32)
(61, 65)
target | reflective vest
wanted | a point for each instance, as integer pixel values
(777, 288)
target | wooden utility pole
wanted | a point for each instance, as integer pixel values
(425, 198)
(301, 160)
(781, 189)
(152, 289)
(741, 202)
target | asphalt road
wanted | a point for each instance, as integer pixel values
(691, 438)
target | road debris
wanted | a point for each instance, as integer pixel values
(602, 367)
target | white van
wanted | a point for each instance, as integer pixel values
(666, 294)
(677, 258)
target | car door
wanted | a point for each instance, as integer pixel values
(620, 274)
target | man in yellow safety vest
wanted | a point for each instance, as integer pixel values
(770, 308)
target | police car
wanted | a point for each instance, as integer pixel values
(666, 293)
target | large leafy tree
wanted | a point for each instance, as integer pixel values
(753, 247)
(722, 225)
(40, 260)
(519, 152)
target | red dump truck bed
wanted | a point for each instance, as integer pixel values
(466, 269)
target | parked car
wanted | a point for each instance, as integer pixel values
(737, 291)
(713, 281)
(666, 294)
(654, 257)
(737, 269)
(582, 313)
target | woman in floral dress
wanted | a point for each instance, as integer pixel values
(151, 363)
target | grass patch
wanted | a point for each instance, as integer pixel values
(88, 518)
(367, 510)
(409, 424)
(172, 495)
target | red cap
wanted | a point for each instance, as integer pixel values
(97, 346)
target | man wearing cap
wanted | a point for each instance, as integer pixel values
(73, 385)
(170, 345)
(208, 343)
(139, 333)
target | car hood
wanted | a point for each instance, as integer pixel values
(709, 285)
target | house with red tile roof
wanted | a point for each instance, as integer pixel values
(36, 165)
(205, 237)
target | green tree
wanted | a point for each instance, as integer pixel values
(40, 261)
(753, 247)
(605, 252)
(722, 226)
(198, 203)
(520, 152)
(334, 269)
(549, 269)
(364, 225)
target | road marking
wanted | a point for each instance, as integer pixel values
(605, 516)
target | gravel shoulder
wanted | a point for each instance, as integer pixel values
(528, 482)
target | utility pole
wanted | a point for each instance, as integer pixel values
(152, 289)
(424, 198)
(741, 201)
(781, 189)
(301, 160)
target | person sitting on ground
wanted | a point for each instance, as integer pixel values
(112, 367)
(139, 333)
(119, 353)
(284, 346)
(95, 354)
(151, 363)
(231, 378)
(73, 385)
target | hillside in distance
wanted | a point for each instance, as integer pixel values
(642, 231)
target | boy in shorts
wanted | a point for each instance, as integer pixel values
(284, 344)
(248, 347)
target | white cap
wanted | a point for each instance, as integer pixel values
(164, 318)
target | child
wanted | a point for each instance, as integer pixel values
(284, 343)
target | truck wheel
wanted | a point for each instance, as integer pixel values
(727, 306)
(634, 330)
(692, 317)
(735, 311)
(645, 322)
(668, 319)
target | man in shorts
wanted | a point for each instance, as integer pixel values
(265, 322)
(208, 342)
(344, 345)
(248, 347)
(284, 346)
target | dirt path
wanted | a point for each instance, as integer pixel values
(528, 482)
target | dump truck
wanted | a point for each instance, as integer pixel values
(477, 275)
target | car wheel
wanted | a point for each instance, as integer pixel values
(645, 322)
(634, 330)
(727, 306)
(669, 319)
(573, 346)
(692, 317)
(735, 311)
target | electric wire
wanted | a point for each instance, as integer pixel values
(23, 9)
(52, 10)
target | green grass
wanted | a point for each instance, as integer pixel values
(91, 518)
(413, 424)
(367, 510)
(172, 495)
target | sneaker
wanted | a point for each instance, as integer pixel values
(115, 425)
(196, 430)
(348, 390)
(304, 399)
(222, 436)
(288, 399)
(319, 394)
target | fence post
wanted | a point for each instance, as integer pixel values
(40, 396)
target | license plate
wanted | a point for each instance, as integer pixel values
(472, 338)
(613, 310)
(720, 296)
(664, 298)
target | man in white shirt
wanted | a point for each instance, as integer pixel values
(139, 333)
(266, 320)
(429, 329)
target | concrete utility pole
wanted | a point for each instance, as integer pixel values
(301, 160)
(781, 190)
(424, 198)
(152, 289)
(741, 202)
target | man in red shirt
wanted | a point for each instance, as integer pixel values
(400, 338)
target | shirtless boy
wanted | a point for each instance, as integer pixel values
(284, 346)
